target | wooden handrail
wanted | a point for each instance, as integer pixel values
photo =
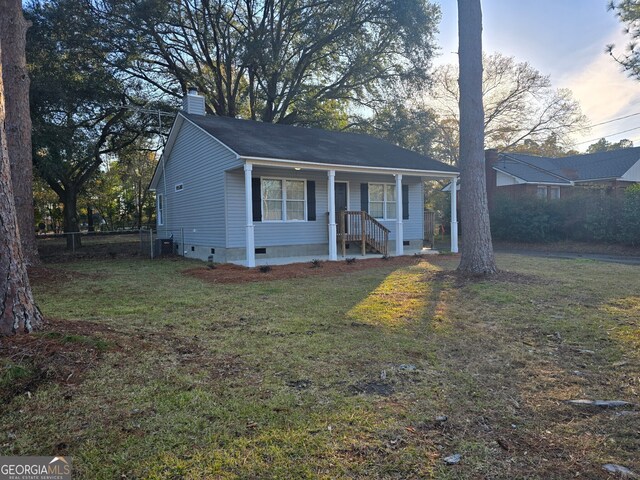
(359, 226)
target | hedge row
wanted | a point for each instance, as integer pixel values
(585, 217)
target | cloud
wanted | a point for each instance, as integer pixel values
(605, 92)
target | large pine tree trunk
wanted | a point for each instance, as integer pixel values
(477, 249)
(18, 311)
(13, 31)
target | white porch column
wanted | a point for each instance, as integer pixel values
(333, 236)
(248, 200)
(454, 215)
(399, 231)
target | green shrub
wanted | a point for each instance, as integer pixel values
(522, 220)
(586, 216)
(630, 218)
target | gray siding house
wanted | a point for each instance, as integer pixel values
(240, 191)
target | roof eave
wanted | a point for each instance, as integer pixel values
(302, 164)
(586, 180)
(171, 140)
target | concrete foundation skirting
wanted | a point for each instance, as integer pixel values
(238, 255)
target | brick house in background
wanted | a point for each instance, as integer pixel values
(517, 174)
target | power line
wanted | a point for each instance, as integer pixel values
(605, 122)
(609, 135)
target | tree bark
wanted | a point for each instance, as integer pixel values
(13, 31)
(18, 311)
(477, 250)
(70, 217)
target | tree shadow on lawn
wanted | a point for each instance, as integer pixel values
(267, 389)
(519, 361)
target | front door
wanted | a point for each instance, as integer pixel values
(341, 199)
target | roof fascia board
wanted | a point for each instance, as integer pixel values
(278, 162)
(525, 182)
(173, 134)
(587, 180)
(570, 184)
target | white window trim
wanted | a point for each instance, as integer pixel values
(181, 185)
(284, 200)
(554, 189)
(159, 210)
(384, 202)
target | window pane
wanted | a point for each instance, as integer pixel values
(295, 209)
(391, 193)
(271, 189)
(272, 209)
(391, 210)
(541, 192)
(295, 190)
(376, 192)
(554, 193)
(376, 209)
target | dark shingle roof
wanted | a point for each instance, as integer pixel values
(258, 139)
(527, 172)
(593, 166)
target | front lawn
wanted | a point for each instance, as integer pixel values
(147, 371)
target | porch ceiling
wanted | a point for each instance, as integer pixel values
(304, 165)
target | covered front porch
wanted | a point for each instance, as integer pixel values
(366, 208)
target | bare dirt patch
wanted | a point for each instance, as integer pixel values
(60, 352)
(229, 273)
(53, 276)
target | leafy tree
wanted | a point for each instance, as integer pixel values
(628, 13)
(118, 193)
(519, 104)
(13, 29)
(604, 145)
(549, 147)
(80, 106)
(411, 127)
(477, 250)
(285, 61)
(104, 196)
(48, 209)
(136, 167)
(19, 312)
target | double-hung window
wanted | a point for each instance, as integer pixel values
(382, 201)
(541, 192)
(283, 200)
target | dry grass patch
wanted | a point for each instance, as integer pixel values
(340, 375)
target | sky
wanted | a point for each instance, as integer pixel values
(566, 40)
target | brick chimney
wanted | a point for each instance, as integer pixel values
(193, 102)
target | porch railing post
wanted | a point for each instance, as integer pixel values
(333, 241)
(454, 215)
(399, 214)
(362, 233)
(248, 203)
(343, 231)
